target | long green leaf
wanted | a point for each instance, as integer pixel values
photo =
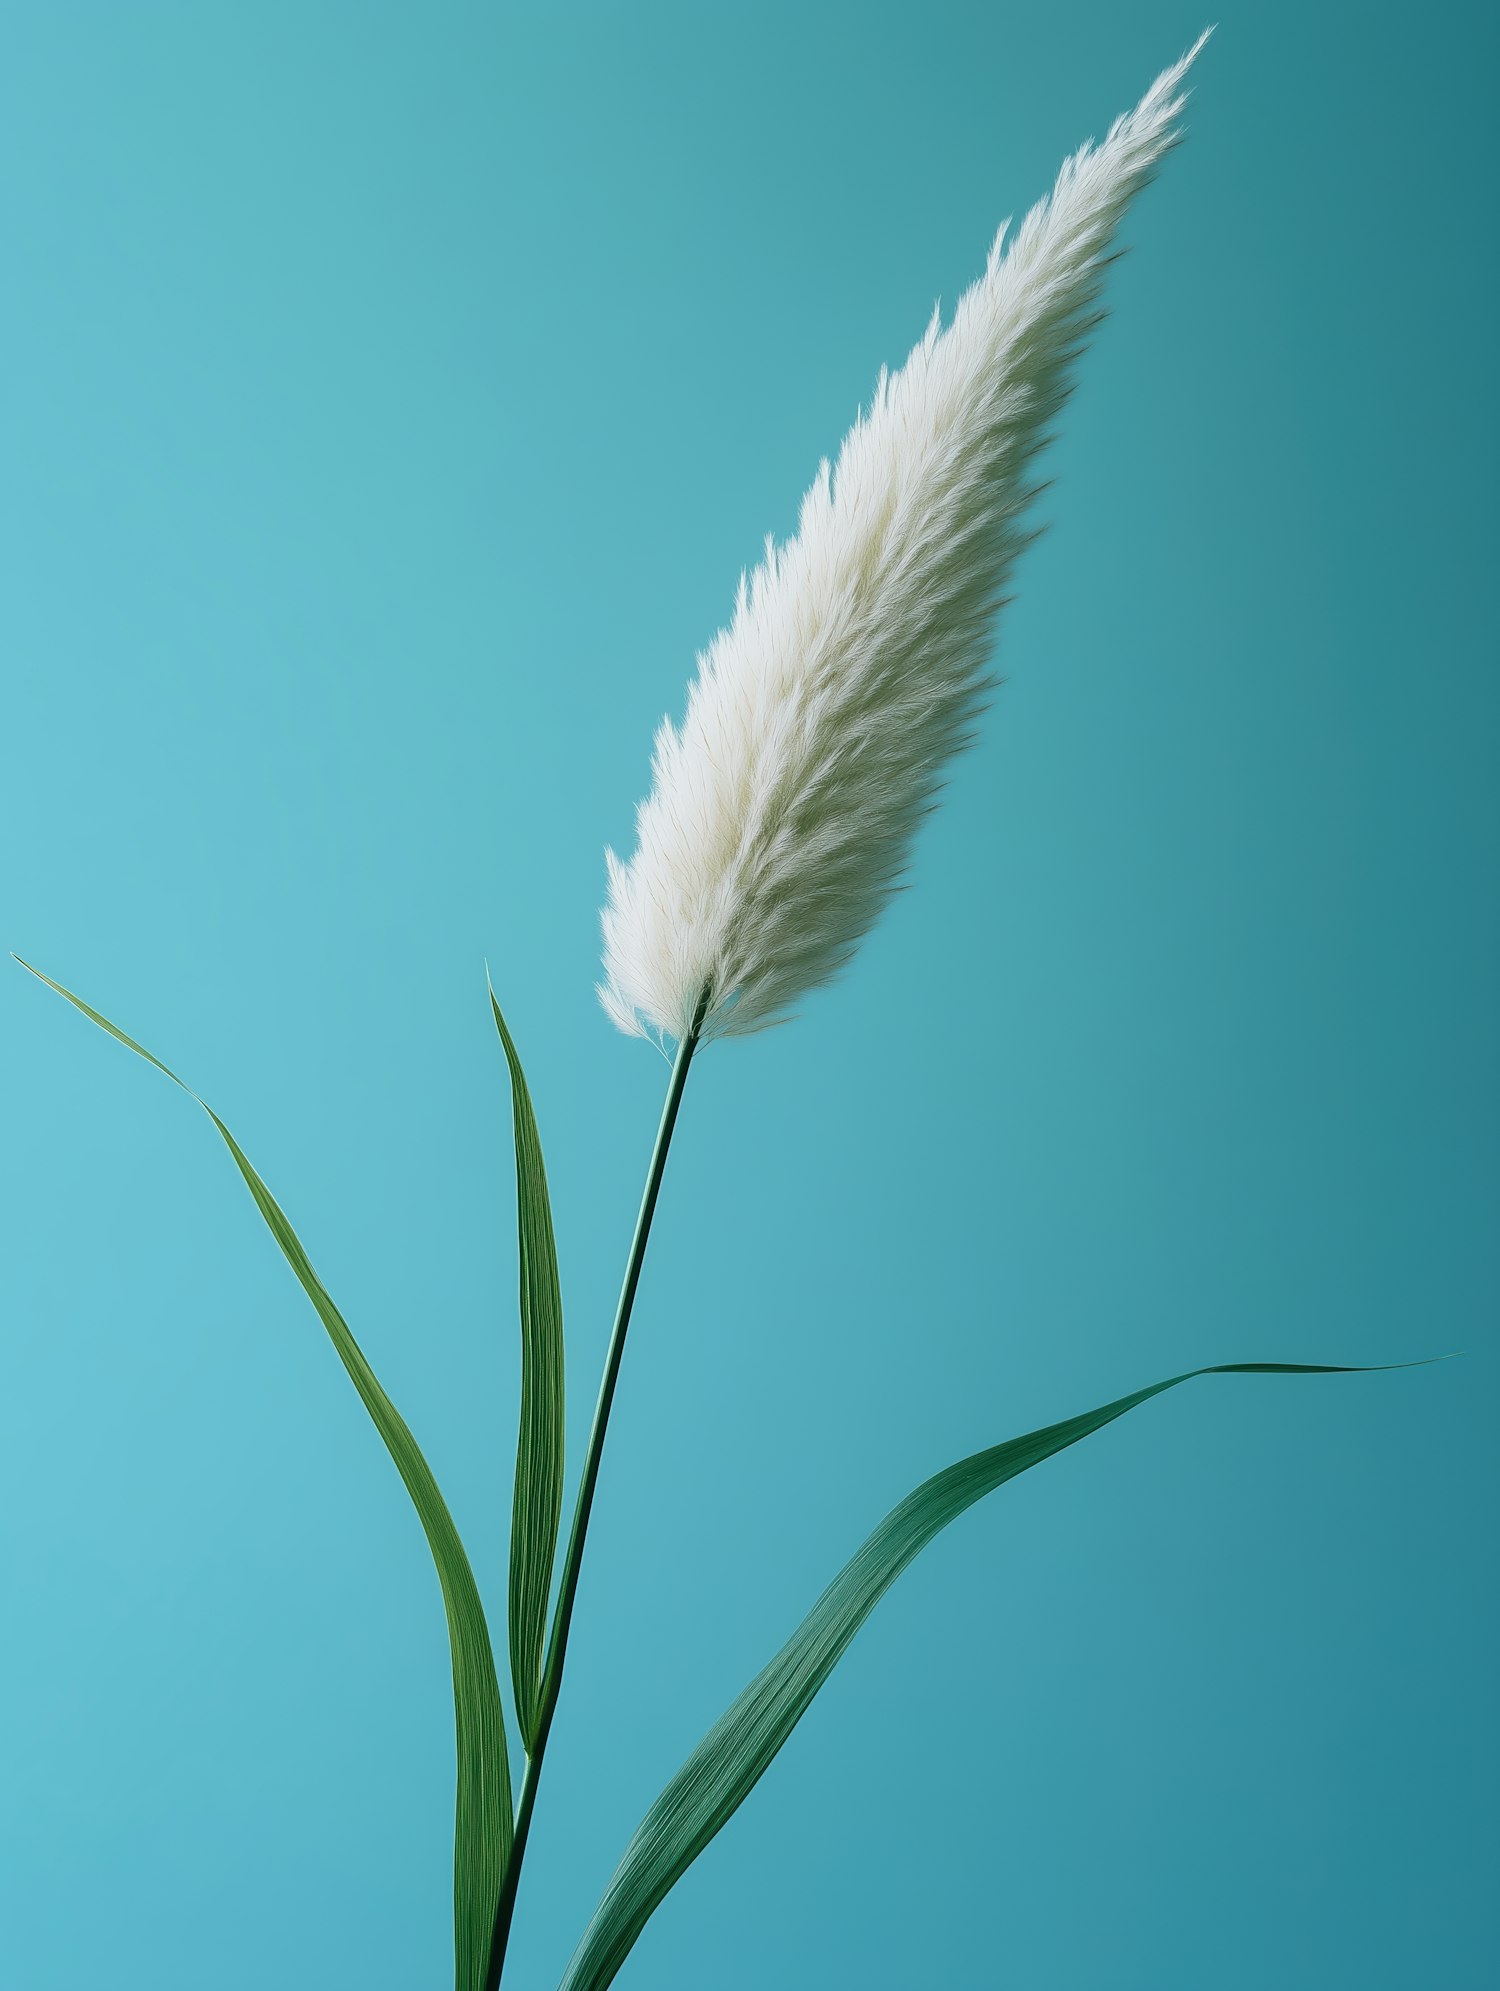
(483, 1822)
(537, 1507)
(734, 1755)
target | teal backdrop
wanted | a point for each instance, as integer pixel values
(391, 398)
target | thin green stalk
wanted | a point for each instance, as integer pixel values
(568, 1589)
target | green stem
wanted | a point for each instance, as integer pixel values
(568, 1589)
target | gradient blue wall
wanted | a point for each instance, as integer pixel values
(391, 397)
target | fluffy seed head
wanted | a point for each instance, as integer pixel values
(783, 807)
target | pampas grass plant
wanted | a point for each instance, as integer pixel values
(781, 814)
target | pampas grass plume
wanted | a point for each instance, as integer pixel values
(782, 808)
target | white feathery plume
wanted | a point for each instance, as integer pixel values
(783, 808)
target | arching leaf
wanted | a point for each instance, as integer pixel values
(483, 1818)
(736, 1752)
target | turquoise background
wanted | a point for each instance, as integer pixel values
(391, 397)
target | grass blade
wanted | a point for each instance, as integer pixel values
(483, 1819)
(537, 1508)
(734, 1755)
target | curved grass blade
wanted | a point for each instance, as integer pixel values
(537, 1507)
(734, 1755)
(483, 1820)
